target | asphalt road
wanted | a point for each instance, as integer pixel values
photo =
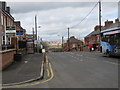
(82, 70)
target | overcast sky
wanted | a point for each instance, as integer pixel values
(55, 17)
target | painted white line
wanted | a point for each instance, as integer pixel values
(75, 57)
(81, 60)
(111, 62)
(26, 61)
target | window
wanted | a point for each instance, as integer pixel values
(9, 40)
(118, 40)
(113, 39)
(3, 40)
(2, 19)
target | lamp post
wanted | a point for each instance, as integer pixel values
(37, 40)
(36, 26)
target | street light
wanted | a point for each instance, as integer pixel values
(38, 35)
(38, 40)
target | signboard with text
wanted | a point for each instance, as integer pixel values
(19, 33)
(10, 29)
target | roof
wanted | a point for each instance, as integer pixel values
(74, 40)
(93, 33)
(8, 14)
(104, 28)
(111, 26)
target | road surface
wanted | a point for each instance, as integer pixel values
(81, 70)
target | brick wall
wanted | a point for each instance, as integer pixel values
(6, 58)
(86, 49)
(0, 37)
(94, 39)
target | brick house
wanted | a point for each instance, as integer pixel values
(18, 27)
(6, 20)
(111, 24)
(74, 45)
(8, 39)
(94, 37)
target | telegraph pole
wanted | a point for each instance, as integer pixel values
(62, 41)
(100, 16)
(36, 33)
(38, 38)
(68, 40)
(36, 26)
(41, 39)
(100, 22)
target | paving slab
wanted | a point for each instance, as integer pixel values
(28, 68)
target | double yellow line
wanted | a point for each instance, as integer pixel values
(34, 83)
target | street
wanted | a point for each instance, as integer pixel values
(81, 70)
(66, 44)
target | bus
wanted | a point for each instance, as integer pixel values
(110, 42)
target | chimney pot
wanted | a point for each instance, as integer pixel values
(97, 27)
(117, 20)
(8, 9)
(2, 5)
(107, 23)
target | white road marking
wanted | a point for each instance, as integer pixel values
(26, 61)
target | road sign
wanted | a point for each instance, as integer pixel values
(43, 50)
(10, 29)
(37, 42)
(19, 33)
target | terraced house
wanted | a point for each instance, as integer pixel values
(9, 39)
(6, 19)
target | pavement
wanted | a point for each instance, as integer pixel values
(26, 69)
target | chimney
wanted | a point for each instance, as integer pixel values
(72, 37)
(117, 20)
(2, 5)
(17, 23)
(8, 10)
(107, 23)
(97, 27)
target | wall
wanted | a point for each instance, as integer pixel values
(6, 58)
(86, 48)
(94, 39)
(0, 37)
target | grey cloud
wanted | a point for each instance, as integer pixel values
(55, 17)
(24, 7)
